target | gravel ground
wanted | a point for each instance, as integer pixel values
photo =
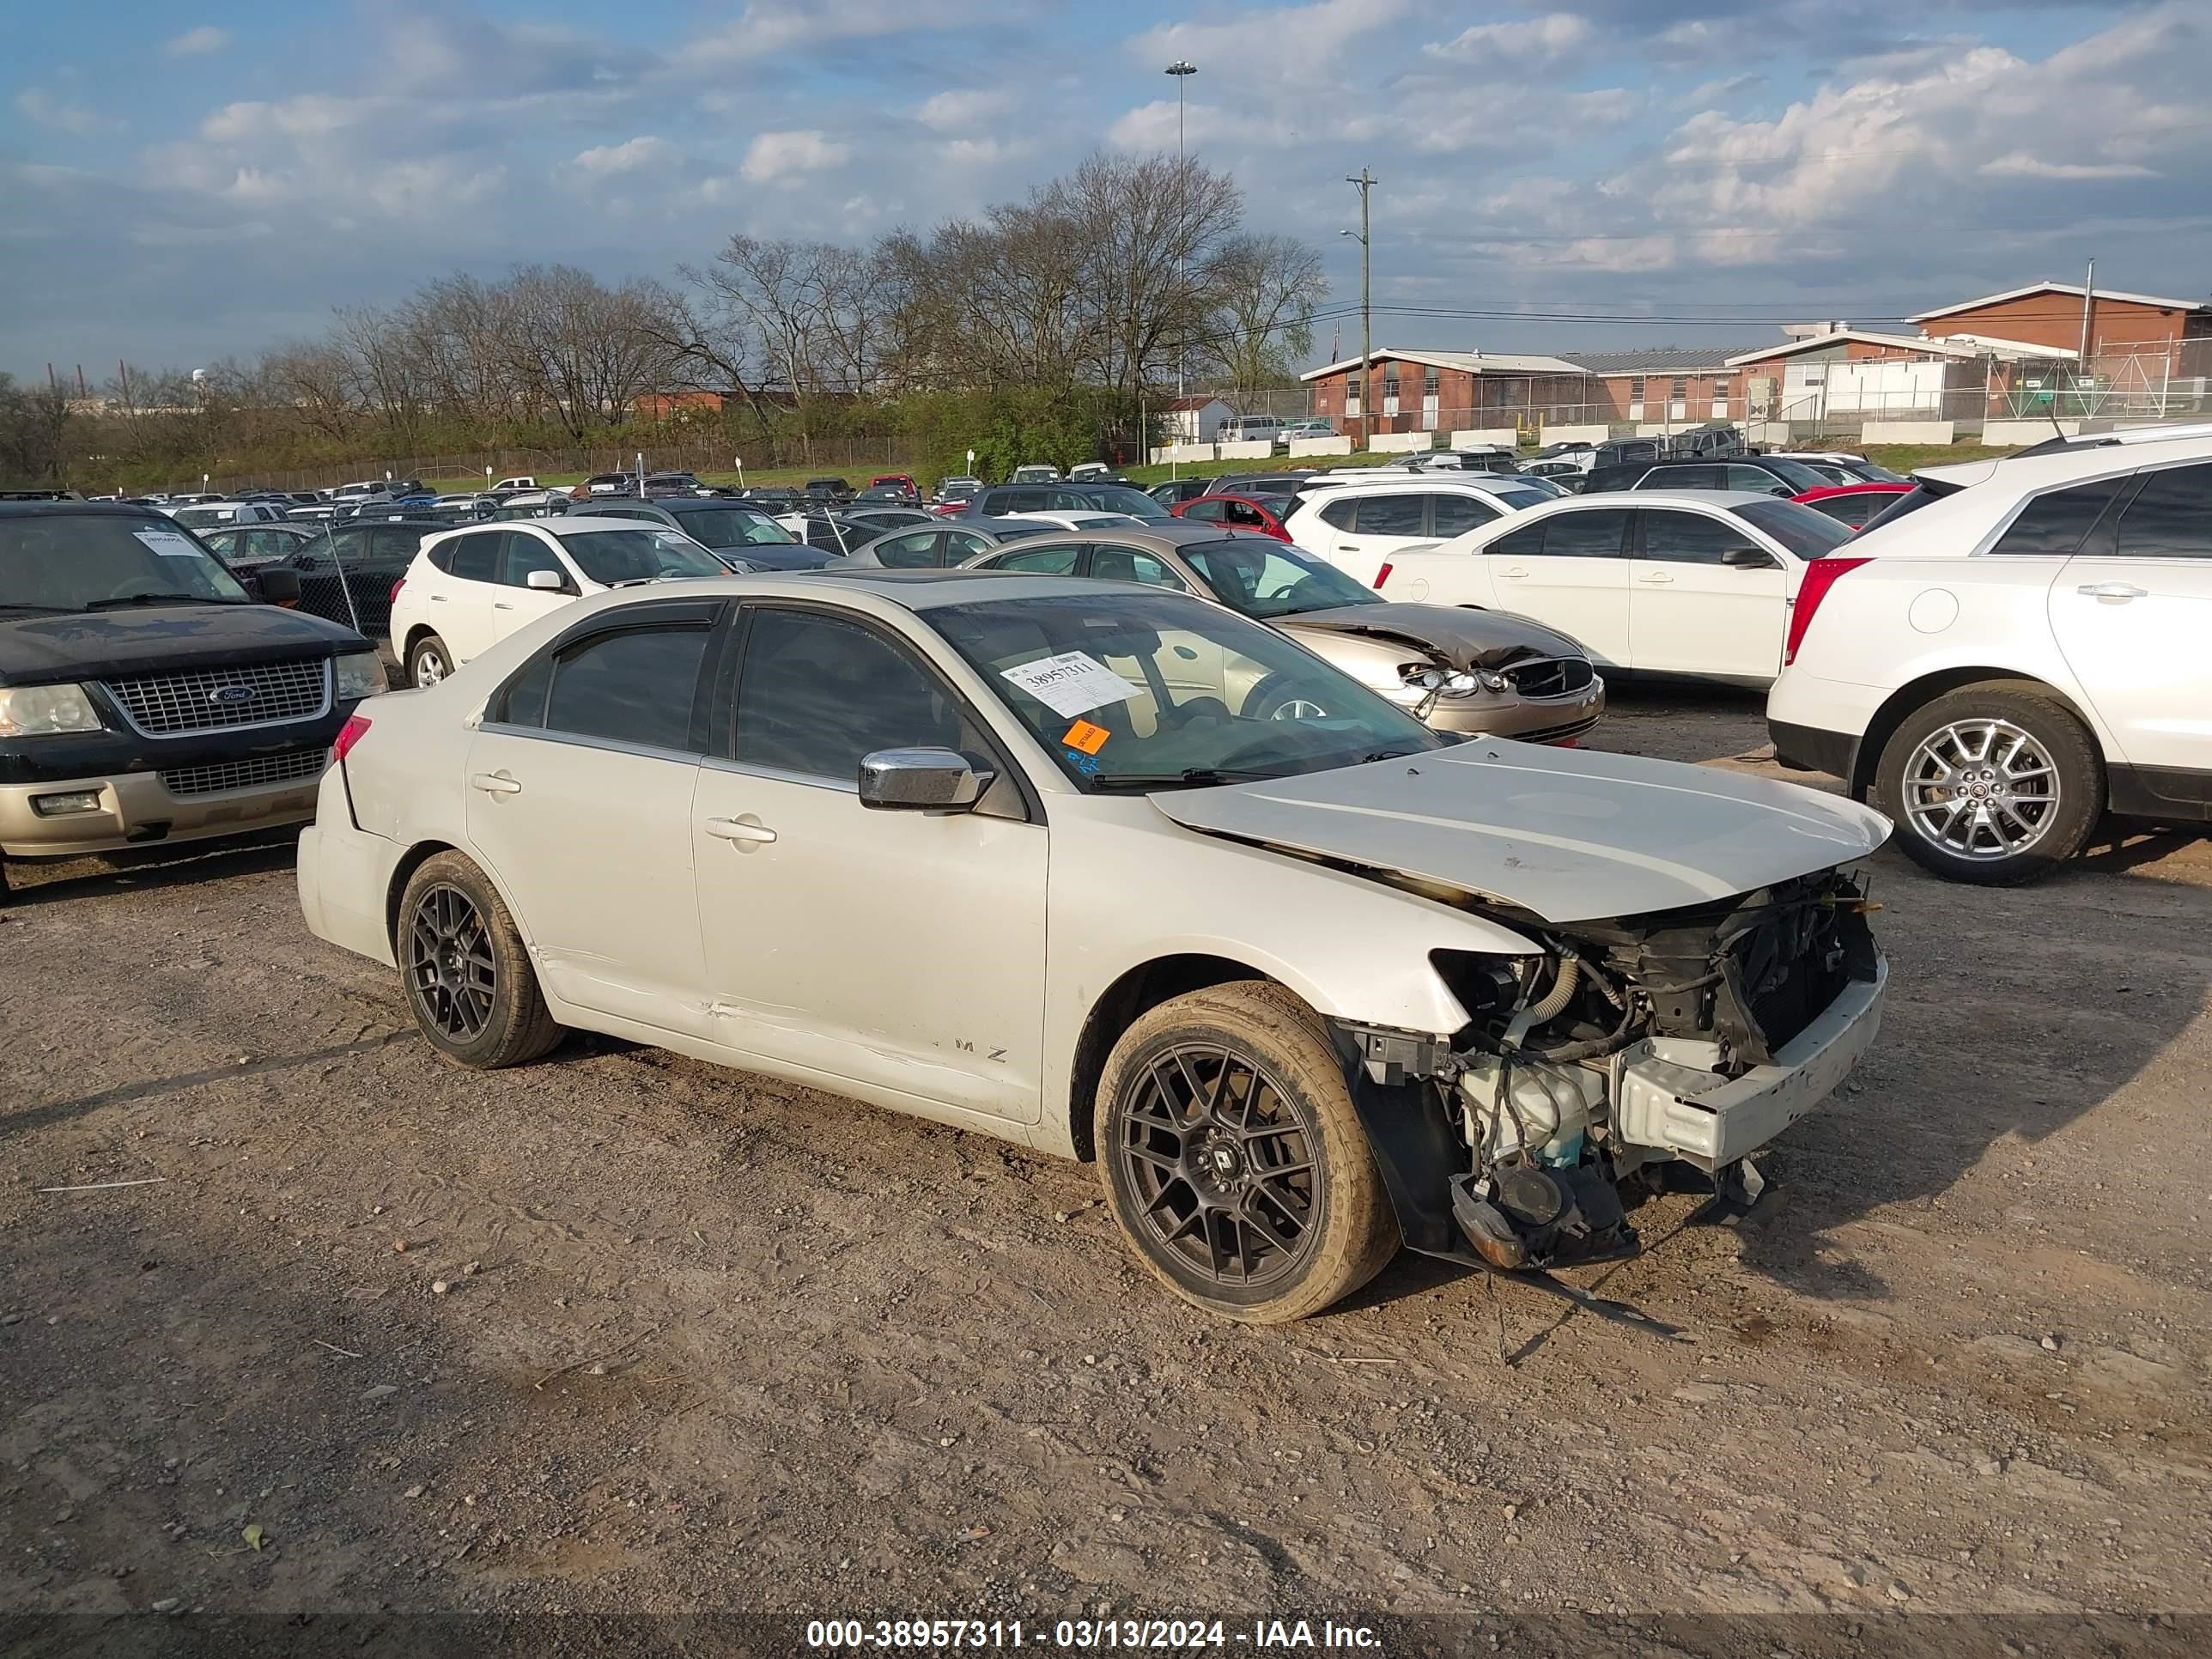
(391, 1344)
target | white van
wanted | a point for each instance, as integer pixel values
(1248, 429)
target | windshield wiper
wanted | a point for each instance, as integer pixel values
(1191, 777)
(156, 598)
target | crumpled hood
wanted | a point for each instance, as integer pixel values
(1471, 638)
(1567, 835)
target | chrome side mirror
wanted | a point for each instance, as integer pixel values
(921, 781)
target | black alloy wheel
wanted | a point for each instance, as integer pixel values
(452, 969)
(1219, 1157)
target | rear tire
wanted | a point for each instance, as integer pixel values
(1233, 1159)
(428, 661)
(1993, 784)
(465, 970)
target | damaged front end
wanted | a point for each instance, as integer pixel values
(1693, 1035)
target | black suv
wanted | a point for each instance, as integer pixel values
(1764, 475)
(346, 574)
(145, 696)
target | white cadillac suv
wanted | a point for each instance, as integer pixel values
(2015, 648)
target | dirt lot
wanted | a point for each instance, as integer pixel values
(709, 1343)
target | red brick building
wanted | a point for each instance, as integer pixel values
(2055, 314)
(1437, 391)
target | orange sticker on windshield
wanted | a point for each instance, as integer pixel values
(1086, 736)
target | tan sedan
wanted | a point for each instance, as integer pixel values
(1455, 669)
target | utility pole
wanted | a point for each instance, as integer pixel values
(1181, 71)
(1366, 181)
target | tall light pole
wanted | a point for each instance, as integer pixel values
(1365, 181)
(1182, 71)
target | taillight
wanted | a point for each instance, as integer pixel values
(1383, 575)
(396, 586)
(354, 729)
(1821, 575)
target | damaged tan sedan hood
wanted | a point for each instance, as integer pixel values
(1566, 835)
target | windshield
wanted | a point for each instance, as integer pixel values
(1874, 474)
(1807, 534)
(1268, 579)
(611, 557)
(1138, 691)
(68, 563)
(1118, 498)
(732, 526)
(1796, 474)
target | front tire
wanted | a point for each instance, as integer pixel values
(428, 661)
(1232, 1157)
(467, 971)
(1993, 784)
(1275, 699)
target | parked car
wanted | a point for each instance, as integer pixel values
(952, 495)
(1313, 426)
(828, 491)
(2014, 649)
(1852, 505)
(524, 482)
(145, 697)
(1185, 489)
(1035, 473)
(1089, 472)
(833, 533)
(1363, 525)
(738, 534)
(938, 546)
(1839, 466)
(1691, 583)
(346, 572)
(1456, 670)
(210, 515)
(1483, 458)
(673, 483)
(1007, 501)
(1566, 475)
(469, 588)
(1411, 1029)
(247, 546)
(1767, 475)
(1237, 512)
(1248, 429)
(903, 482)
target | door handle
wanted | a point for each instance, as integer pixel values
(748, 831)
(2115, 592)
(501, 604)
(1514, 572)
(1657, 581)
(493, 783)
(437, 598)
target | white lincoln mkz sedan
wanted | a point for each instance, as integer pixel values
(1006, 852)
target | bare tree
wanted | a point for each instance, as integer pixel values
(1264, 290)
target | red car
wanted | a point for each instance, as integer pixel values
(900, 480)
(1242, 511)
(1852, 504)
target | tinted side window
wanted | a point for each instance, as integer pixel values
(1455, 515)
(1041, 560)
(1593, 535)
(1688, 537)
(914, 552)
(1127, 564)
(2170, 517)
(523, 554)
(475, 558)
(1205, 512)
(1340, 514)
(2057, 522)
(1399, 513)
(1694, 477)
(394, 543)
(1756, 478)
(633, 686)
(1522, 543)
(816, 695)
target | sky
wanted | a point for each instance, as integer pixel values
(182, 180)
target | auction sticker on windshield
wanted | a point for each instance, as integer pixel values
(1085, 736)
(169, 544)
(1074, 683)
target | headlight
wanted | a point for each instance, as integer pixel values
(360, 674)
(39, 711)
(1492, 682)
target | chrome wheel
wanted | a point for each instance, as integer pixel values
(429, 665)
(1297, 709)
(451, 968)
(1982, 789)
(1221, 1162)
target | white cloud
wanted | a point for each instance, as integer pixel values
(954, 110)
(198, 42)
(767, 28)
(57, 115)
(605, 160)
(1304, 46)
(777, 156)
(2020, 165)
(1540, 39)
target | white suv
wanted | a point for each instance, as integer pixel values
(469, 589)
(1363, 525)
(2016, 647)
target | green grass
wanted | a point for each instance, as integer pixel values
(1902, 458)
